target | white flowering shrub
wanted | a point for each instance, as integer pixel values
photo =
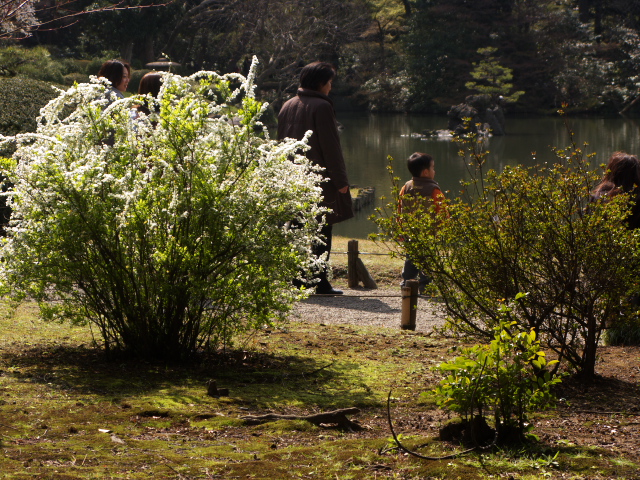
(169, 232)
(388, 93)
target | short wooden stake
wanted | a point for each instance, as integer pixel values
(364, 275)
(409, 305)
(352, 262)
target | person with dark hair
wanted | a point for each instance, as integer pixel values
(417, 196)
(316, 75)
(622, 176)
(118, 73)
(312, 109)
(149, 84)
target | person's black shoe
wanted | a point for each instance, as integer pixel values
(328, 291)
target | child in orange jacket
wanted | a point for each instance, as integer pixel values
(421, 190)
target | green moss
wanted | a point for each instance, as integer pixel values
(281, 426)
(57, 392)
(623, 462)
(219, 422)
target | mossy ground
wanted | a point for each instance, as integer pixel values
(68, 412)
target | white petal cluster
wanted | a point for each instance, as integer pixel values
(195, 187)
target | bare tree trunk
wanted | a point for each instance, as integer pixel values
(583, 9)
(126, 52)
(204, 45)
(586, 13)
(192, 39)
(149, 55)
(382, 55)
(407, 8)
(597, 23)
(590, 346)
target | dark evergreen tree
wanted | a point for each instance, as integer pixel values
(443, 41)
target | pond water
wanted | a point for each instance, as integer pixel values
(368, 139)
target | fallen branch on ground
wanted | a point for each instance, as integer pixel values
(424, 457)
(338, 417)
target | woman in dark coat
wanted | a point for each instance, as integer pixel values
(311, 109)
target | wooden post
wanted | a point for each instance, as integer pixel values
(409, 305)
(352, 262)
(364, 275)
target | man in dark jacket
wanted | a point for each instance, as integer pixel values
(311, 109)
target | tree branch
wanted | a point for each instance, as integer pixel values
(338, 417)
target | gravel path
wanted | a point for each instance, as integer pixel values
(380, 308)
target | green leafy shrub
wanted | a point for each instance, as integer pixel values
(92, 67)
(623, 331)
(507, 379)
(76, 77)
(36, 63)
(531, 231)
(170, 232)
(84, 66)
(20, 102)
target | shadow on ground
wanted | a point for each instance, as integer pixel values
(249, 375)
(354, 302)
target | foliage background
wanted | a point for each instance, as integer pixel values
(392, 55)
(20, 103)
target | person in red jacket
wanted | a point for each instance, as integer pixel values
(312, 109)
(419, 193)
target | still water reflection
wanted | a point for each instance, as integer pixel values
(368, 139)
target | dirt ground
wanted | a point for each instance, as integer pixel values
(603, 414)
(381, 307)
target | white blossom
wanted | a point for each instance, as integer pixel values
(98, 194)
